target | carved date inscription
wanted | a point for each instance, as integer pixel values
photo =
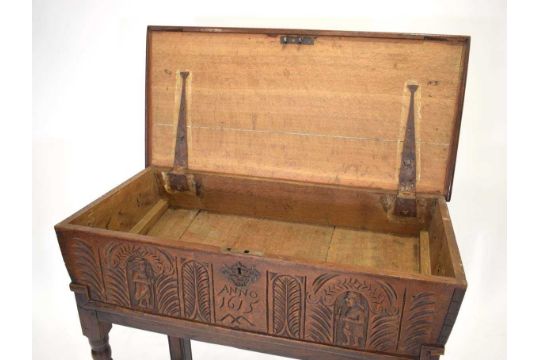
(238, 301)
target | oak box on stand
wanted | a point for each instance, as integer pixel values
(294, 199)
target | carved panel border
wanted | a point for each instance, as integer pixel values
(87, 267)
(240, 300)
(196, 290)
(286, 309)
(351, 312)
(451, 315)
(141, 277)
(417, 322)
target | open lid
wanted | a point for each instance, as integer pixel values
(315, 106)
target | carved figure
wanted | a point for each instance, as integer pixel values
(351, 317)
(140, 280)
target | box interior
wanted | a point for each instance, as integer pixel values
(320, 223)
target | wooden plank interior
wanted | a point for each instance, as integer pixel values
(260, 236)
(299, 202)
(378, 250)
(173, 223)
(300, 241)
(425, 260)
(333, 112)
(150, 218)
(401, 244)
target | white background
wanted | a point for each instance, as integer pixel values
(88, 136)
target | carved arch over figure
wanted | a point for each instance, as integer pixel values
(353, 312)
(141, 277)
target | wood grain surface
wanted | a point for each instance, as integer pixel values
(331, 113)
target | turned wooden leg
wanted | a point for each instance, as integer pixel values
(180, 348)
(95, 330)
(97, 333)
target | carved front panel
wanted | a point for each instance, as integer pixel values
(353, 311)
(417, 329)
(240, 300)
(197, 297)
(87, 267)
(141, 277)
(286, 305)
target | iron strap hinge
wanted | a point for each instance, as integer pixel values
(180, 151)
(406, 197)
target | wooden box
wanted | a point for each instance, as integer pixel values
(294, 199)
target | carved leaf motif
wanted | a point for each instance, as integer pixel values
(167, 295)
(189, 287)
(117, 287)
(88, 268)
(380, 295)
(321, 280)
(287, 293)
(389, 290)
(196, 290)
(321, 327)
(204, 294)
(419, 320)
(119, 254)
(384, 332)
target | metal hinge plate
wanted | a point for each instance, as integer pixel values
(406, 197)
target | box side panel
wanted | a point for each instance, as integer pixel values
(451, 315)
(307, 303)
(121, 208)
(443, 229)
(446, 230)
